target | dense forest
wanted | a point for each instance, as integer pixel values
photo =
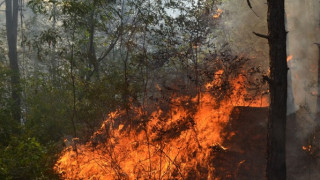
(159, 89)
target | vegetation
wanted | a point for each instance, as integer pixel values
(66, 64)
(80, 60)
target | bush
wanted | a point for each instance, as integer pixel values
(22, 158)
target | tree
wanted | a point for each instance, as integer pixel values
(12, 29)
(276, 161)
(318, 84)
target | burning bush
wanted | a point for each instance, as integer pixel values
(176, 142)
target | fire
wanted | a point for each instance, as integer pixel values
(163, 145)
(218, 13)
(217, 80)
(307, 148)
(289, 58)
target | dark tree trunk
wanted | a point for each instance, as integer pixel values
(12, 30)
(276, 162)
(318, 85)
(92, 53)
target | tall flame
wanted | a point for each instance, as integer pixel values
(165, 145)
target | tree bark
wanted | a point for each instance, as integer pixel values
(276, 161)
(12, 30)
(54, 64)
(318, 85)
(92, 53)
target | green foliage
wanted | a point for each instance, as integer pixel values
(21, 155)
(96, 99)
(38, 6)
(49, 109)
(22, 158)
(7, 125)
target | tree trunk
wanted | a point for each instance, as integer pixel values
(276, 161)
(92, 53)
(318, 85)
(54, 65)
(12, 30)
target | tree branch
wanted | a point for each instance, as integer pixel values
(1, 3)
(261, 35)
(250, 6)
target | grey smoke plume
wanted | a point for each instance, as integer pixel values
(303, 26)
(239, 21)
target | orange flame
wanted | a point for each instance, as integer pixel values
(218, 13)
(169, 144)
(289, 58)
(307, 148)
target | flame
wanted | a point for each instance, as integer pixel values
(166, 145)
(218, 13)
(217, 80)
(307, 148)
(289, 58)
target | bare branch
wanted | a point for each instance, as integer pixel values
(318, 44)
(109, 49)
(250, 6)
(172, 161)
(261, 35)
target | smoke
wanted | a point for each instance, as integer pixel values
(303, 25)
(303, 28)
(239, 22)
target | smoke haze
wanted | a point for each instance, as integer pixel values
(239, 21)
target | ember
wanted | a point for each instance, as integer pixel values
(307, 148)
